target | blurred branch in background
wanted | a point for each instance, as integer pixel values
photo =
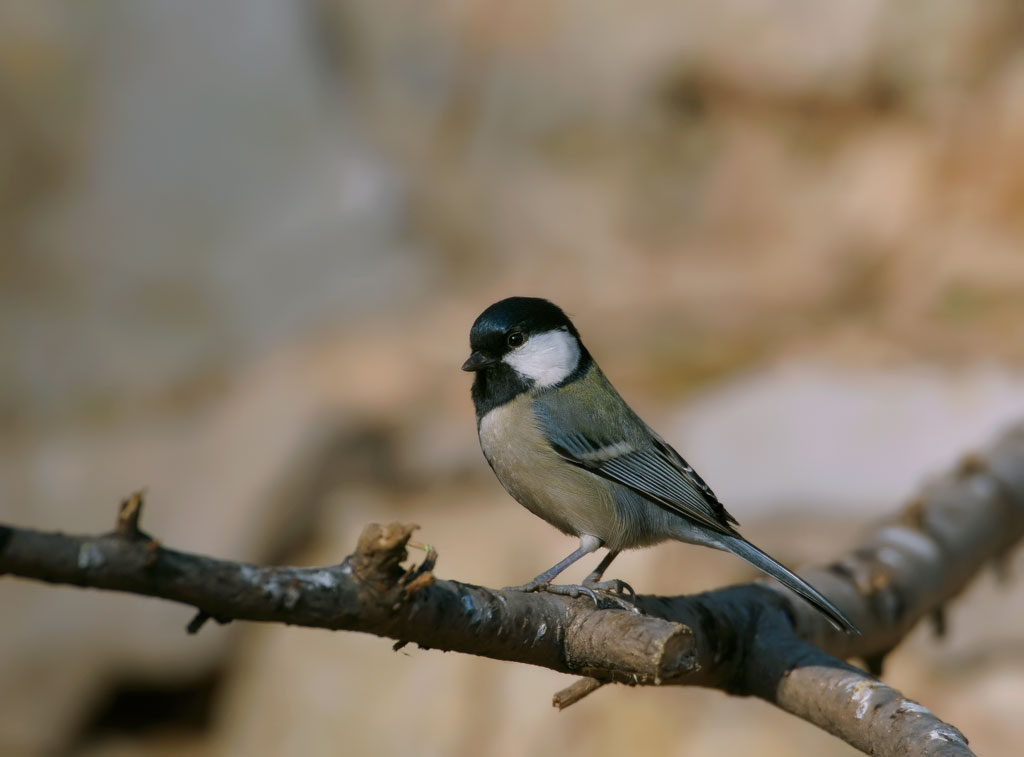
(753, 639)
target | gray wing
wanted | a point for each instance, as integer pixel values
(631, 454)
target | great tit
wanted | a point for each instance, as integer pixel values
(567, 447)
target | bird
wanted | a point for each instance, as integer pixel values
(565, 445)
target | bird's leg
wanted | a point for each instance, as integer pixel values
(543, 582)
(615, 585)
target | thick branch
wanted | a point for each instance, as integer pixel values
(368, 592)
(754, 639)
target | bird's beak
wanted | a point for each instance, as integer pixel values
(478, 361)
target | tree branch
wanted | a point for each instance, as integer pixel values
(754, 639)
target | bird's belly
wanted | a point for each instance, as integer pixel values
(569, 498)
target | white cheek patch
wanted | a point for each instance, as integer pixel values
(546, 358)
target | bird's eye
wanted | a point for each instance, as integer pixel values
(515, 339)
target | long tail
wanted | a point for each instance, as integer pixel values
(743, 548)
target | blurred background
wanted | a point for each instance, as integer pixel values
(241, 246)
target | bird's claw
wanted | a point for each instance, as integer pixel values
(614, 586)
(615, 591)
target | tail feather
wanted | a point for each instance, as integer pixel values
(743, 548)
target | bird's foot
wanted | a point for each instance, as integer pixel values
(615, 590)
(565, 590)
(613, 586)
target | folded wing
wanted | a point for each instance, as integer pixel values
(655, 471)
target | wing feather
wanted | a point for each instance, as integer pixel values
(658, 473)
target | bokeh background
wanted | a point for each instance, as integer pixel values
(241, 245)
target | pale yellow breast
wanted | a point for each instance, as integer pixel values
(567, 497)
